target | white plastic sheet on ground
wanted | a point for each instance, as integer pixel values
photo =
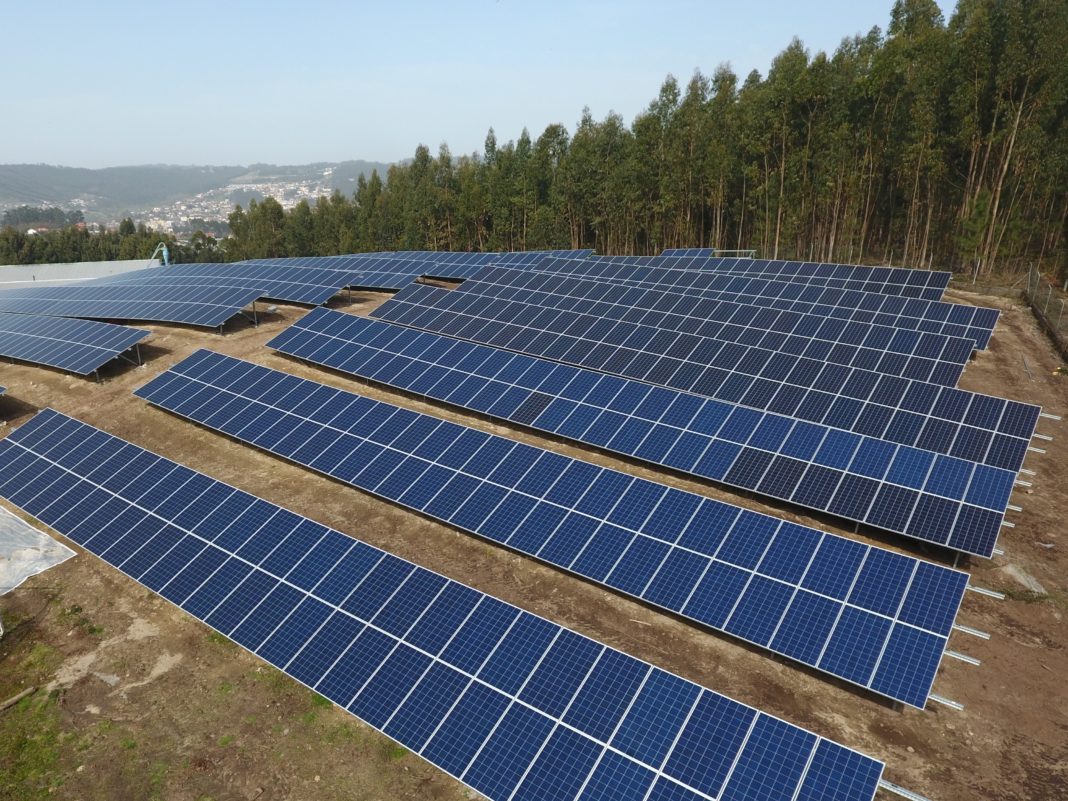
(25, 551)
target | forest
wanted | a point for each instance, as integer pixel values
(936, 142)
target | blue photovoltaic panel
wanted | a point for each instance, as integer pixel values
(768, 454)
(192, 305)
(707, 560)
(691, 253)
(275, 282)
(953, 319)
(511, 704)
(941, 419)
(396, 270)
(917, 355)
(904, 281)
(80, 346)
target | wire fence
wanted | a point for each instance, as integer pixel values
(1047, 301)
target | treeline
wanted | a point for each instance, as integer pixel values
(23, 217)
(934, 143)
(129, 241)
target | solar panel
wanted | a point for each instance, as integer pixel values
(768, 454)
(511, 704)
(931, 357)
(733, 570)
(904, 281)
(693, 253)
(953, 319)
(296, 285)
(191, 305)
(946, 420)
(391, 271)
(79, 346)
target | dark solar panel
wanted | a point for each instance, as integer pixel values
(907, 282)
(80, 346)
(953, 319)
(275, 282)
(511, 704)
(931, 357)
(935, 418)
(744, 573)
(192, 305)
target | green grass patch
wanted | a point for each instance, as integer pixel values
(225, 740)
(220, 640)
(29, 749)
(321, 701)
(391, 751)
(75, 616)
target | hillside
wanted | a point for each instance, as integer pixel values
(105, 193)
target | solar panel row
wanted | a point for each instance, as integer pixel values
(967, 425)
(296, 285)
(869, 616)
(80, 346)
(511, 704)
(193, 305)
(861, 478)
(397, 270)
(915, 283)
(930, 357)
(953, 319)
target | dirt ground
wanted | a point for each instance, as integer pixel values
(136, 700)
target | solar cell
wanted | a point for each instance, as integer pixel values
(904, 281)
(954, 319)
(694, 556)
(276, 282)
(192, 305)
(923, 356)
(907, 412)
(514, 706)
(80, 346)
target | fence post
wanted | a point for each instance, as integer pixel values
(1048, 297)
(1060, 315)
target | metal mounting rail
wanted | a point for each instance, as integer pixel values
(946, 702)
(897, 789)
(982, 635)
(1033, 449)
(971, 660)
(1045, 437)
(999, 551)
(1025, 471)
(1049, 416)
(988, 593)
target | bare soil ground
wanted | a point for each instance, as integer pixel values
(139, 701)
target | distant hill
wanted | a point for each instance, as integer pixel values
(106, 192)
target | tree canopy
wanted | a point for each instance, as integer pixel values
(934, 143)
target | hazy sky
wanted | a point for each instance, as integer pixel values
(235, 82)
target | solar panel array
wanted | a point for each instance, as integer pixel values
(967, 425)
(207, 306)
(894, 487)
(953, 319)
(513, 705)
(907, 282)
(391, 271)
(296, 285)
(869, 616)
(79, 346)
(917, 355)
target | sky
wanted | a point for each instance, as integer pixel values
(234, 82)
